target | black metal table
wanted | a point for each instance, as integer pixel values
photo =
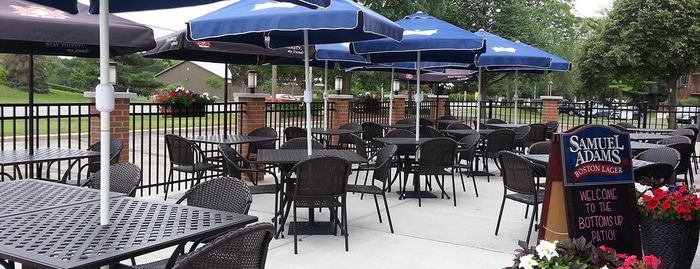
(463, 133)
(650, 130)
(641, 146)
(69, 235)
(293, 156)
(231, 139)
(406, 163)
(543, 159)
(504, 125)
(646, 137)
(397, 126)
(328, 133)
(41, 155)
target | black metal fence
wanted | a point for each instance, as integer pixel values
(527, 112)
(428, 110)
(360, 112)
(641, 115)
(280, 115)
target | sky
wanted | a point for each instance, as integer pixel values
(166, 21)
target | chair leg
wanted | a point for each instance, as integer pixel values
(461, 176)
(454, 191)
(362, 196)
(529, 231)
(388, 215)
(357, 175)
(345, 221)
(486, 167)
(295, 228)
(416, 181)
(168, 184)
(527, 209)
(376, 204)
(474, 181)
(500, 214)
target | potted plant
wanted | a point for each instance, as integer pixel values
(367, 102)
(669, 223)
(183, 103)
(578, 254)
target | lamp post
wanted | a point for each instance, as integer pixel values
(396, 87)
(338, 84)
(252, 80)
(113, 73)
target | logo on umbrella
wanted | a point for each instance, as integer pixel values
(502, 49)
(203, 44)
(39, 12)
(273, 4)
(420, 32)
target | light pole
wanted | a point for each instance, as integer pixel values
(252, 80)
(338, 84)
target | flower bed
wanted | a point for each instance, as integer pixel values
(183, 103)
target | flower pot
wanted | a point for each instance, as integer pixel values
(184, 111)
(673, 241)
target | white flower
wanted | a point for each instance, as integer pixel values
(664, 188)
(604, 267)
(214, 97)
(546, 250)
(205, 94)
(640, 188)
(528, 262)
(640, 201)
(649, 193)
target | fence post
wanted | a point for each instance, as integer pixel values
(119, 118)
(643, 116)
(440, 102)
(399, 108)
(254, 115)
(550, 108)
(341, 113)
(587, 113)
(490, 108)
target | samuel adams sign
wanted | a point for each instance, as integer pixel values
(599, 187)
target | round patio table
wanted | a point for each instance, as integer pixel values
(647, 137)
(328, 133)
(406, 163)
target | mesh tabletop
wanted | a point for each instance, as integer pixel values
(639, 146)
(482, 132)
(334, 131)
(22, 156)
(293, 156)
(505, 125)
(544, 160)
(71, 237)
(647, 136)
(229, 139)
(402, 141)
(650, 130)
(30, 195)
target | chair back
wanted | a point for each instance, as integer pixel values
(675, 139)
(324, 176)
(518, 173)
(232, 160)
(689, 133)
(447, 117)
(115, 149)
(244, 248)
(225, 194)
(552, 128)
(262, 132)
(522, 132)
(499, 140)
(626, 125)
(382, 164)
(406, 121)
(425, 122)
(294, 132)
(458, 126)
(301, 143)
(655, 175)
(371, 130)
(495, 121)
(544, 147)
(665, 155)
(467, 147)
(694, 128)
(437, 153)
(360, 145)
(403, 149)
(430, 132)
(124, 178)
(345, 139)
(685, 150)
(180, 150)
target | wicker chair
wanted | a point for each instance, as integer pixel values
(294, 132)
(426, 122)
(434, 156)
(360, 149)
(457, 126)
(674, 139)
(495, 142)
(684, 166)
(689, 133)
(407, 121)
(544, 147)
(262, 132)
(381, 173)
(519, 185)
(124, 178)
(93, 163)
(345, 140)
(370, 131)
(245, 248)
(626, 125)
(552, 128)
(656, 175)
(442, 126)
(430, 132)
(521, 135)
(186, 157)
(665, 155)
(224, 194)
(467, 152)
(495, 121)
(694, 154)
(321, 183)
(403, 151)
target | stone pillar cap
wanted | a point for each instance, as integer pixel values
(117, 95)
(547, 97)
(441, 96)
(401, 96)
(250, 95)
(340, 96)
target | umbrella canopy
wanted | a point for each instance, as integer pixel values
(250, 21)
(445, 76)
(410, 67)
(506, 53)
(286, 24)
(71, 6)
(558, 65)
(177, 47)
(29, 28)
(330, 55)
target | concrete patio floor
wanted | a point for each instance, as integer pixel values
(436, 235)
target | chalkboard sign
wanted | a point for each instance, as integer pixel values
(599, 188)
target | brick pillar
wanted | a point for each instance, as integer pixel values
(119, 121)
(341, 115)
(254, 116)
(550, 108)
(441, 101)
(399, 108)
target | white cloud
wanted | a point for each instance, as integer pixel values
(591, 8)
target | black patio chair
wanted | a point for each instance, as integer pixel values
(495, 121)
(495, 142)
(684, 166)
(93, 163)
(457, 126)
(407, 121)
(519, 185)
(344, 140)
(442, 126)
(430, 132)
(536, 134)
(544, 147)
(466, 152)
(552, 128)
(665, 155)
(434, 158)
(321, 183)
(694, 155)
(521, 135)
(370, 131)
(245, 248)
(262, 132)
(655, 175)
(186, 157)
(674, 139)
(689, 133)
(381, 173)
(403, 151)
(361, 149)
(426, 122)
(293, 132)
(123, 178)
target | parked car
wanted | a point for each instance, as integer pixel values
(625, 113)
(282, 98)
(687, 115)
(599, 110)
(571, 108)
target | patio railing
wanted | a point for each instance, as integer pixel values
(280, 115)
(369, 112)
(427, 110)
(528, 112)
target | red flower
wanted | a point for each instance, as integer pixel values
(606, 249)
(659, 194)
(653, 204)
(630, 261)
(171, 94)
(621, 256)
(682, 209)
(651, 261)
(665, 206)
(687, 217)
(683, 188)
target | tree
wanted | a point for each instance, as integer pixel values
(17, 67)
(214, 82)
(647, 38)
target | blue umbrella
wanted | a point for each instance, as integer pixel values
(276, 24)
(71, 6)
(425, 38)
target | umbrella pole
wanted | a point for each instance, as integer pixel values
(325, 96)
(391, 96)
(478, 100)
(516, 96)
(30, 115)
(225, 100)
(307, 92)
(104, 101)
(418, 98)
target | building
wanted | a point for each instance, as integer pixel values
(194, 76)
(689, 86)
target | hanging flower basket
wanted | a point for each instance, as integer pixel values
(183, 103)
(177, 111)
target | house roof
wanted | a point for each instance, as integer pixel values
(214, 68)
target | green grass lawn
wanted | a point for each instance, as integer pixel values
(15, 96)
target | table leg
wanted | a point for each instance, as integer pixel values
(416, 193)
